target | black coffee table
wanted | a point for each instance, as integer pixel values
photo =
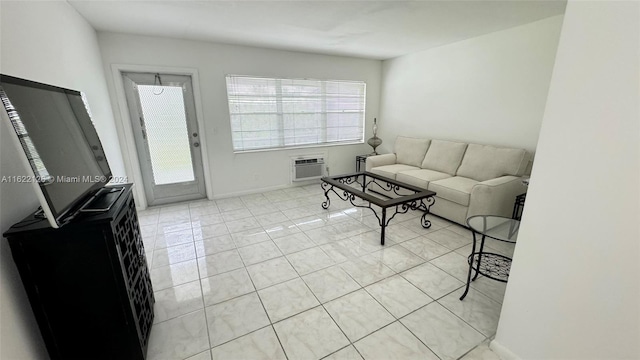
(358, 185)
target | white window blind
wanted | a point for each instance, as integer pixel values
(279, 113)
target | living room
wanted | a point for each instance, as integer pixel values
(495, 88)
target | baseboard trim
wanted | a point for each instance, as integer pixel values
(502, 352)
(265, 189)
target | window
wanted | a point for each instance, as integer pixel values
(279, 113)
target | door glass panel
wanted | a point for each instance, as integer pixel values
(167, 134)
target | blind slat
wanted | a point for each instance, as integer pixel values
(276, 113)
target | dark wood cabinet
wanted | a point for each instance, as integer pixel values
(88, 282)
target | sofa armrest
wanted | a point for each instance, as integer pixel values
(495, 196)
(380, 160)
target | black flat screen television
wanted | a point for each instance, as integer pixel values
(57, 141)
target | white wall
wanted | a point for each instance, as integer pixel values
(574, 288)
(234, 174)
(50, 43)
(489, 89)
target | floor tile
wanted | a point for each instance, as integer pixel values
(309, 260)
(260, 344)
(301, 212)
(348, 353)
(242, 225)
(493, 289)
(425, 248)
(350, 227)
(454, 264)
(172, 275)
(481, 352)
(219, 263)
(281, 229)
(393, 342)
(463, 231)
(398, 258)
(330, 283)
(209, 231)
(219, 288)
(214, 245)
(358, 314)
(399, 233)
(449, 239)
(398, 295)
(234, 318)
(310, 335)
(271, 272)
(294, 243)
(174, 226)
(259, 252)
(173, 216)
(230, 204)
(173, 254)
(310, 222)
(287, 299)
(250, 237)
(178, 338)
(443, 332)
(370, 242)
(433, 281)
(147, 219)
(342, 250)
(271, 218)
(164, 240)
(205, 355)
(476, 309)
(325, 234)
(233, 215)
(204, 210)
(177, 300)
(199, 221)
(367, 270)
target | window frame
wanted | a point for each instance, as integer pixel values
(279, 113)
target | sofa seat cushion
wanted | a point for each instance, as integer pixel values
(444, 156)
(456, 189)
(410, 151)
(485, 162)
(420, 178)
(390, 171)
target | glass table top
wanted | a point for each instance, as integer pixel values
(496, 227)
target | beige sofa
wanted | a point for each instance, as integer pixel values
(469, 179)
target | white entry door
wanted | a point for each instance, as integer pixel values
(164, 123)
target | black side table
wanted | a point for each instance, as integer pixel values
(518, 206)
(361, 160)
(491, 265)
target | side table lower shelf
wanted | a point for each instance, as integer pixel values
(494, 266)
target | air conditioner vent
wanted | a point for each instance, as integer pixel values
(307, 168)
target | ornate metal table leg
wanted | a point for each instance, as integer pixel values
(473, 251)
(326, 187)
(426, 223)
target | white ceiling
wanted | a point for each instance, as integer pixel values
(369, 29)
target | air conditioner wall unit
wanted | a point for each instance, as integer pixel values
(307, 168)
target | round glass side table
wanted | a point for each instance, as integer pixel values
(491, 265)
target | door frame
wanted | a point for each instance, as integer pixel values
(124, 126)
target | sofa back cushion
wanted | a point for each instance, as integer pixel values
(484, 162)
(444, 156)
(411, 151)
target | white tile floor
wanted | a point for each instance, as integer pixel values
(274, 276)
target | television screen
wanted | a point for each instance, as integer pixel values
(53, 127)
